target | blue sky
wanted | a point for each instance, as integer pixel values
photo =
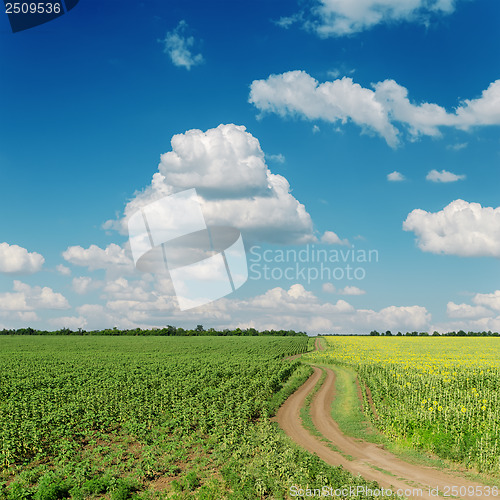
(334, 96)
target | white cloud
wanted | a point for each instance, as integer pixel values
(279, 158)
(299, 309)
(334, 18)
(25, 317)
(94, 257)
(296, 93)
(148, 303)
(347, 290)
(138, 290)
(287, 21)
(484, 110)
(331, 238)
(71, 322)
(443, 176)
(315, 129)
(466, 311)
(85, 284)
(458, 146)
(16, 259)
(135, 311)
(178, 45)
(491, 300)
(235, 187)
(421, 119)
(41, 297)
(13, 302)
(352, 290)
(64, 270)
(402, 318)
(99, 317)
(461, 228)
(30, 298)
(395, 176)
(377, 110)
(484, 315)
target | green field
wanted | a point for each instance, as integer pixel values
(151, 417)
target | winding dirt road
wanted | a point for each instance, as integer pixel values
(318, 345)
(414, 480)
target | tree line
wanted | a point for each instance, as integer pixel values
(460, 333)
(167, 331)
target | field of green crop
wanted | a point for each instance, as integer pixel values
(433, 393)
(150, 417)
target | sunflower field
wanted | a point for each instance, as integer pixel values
(433, 393)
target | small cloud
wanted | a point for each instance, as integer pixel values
(461, 228)
(458, 146)
(351, 290)
(279, 158)
(359, 237)
(16, 259)
(95, 257)
(85, 284)
(62, 269)
(316, 129)
(178, 46)
(328, 288)
(395, 176)
(334, 73)
(287, 21)
(330, 238)
(443, 176)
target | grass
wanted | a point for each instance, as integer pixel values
(346, 408)
(299, 376)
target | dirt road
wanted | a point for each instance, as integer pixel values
(318, 345)
(414, 480)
